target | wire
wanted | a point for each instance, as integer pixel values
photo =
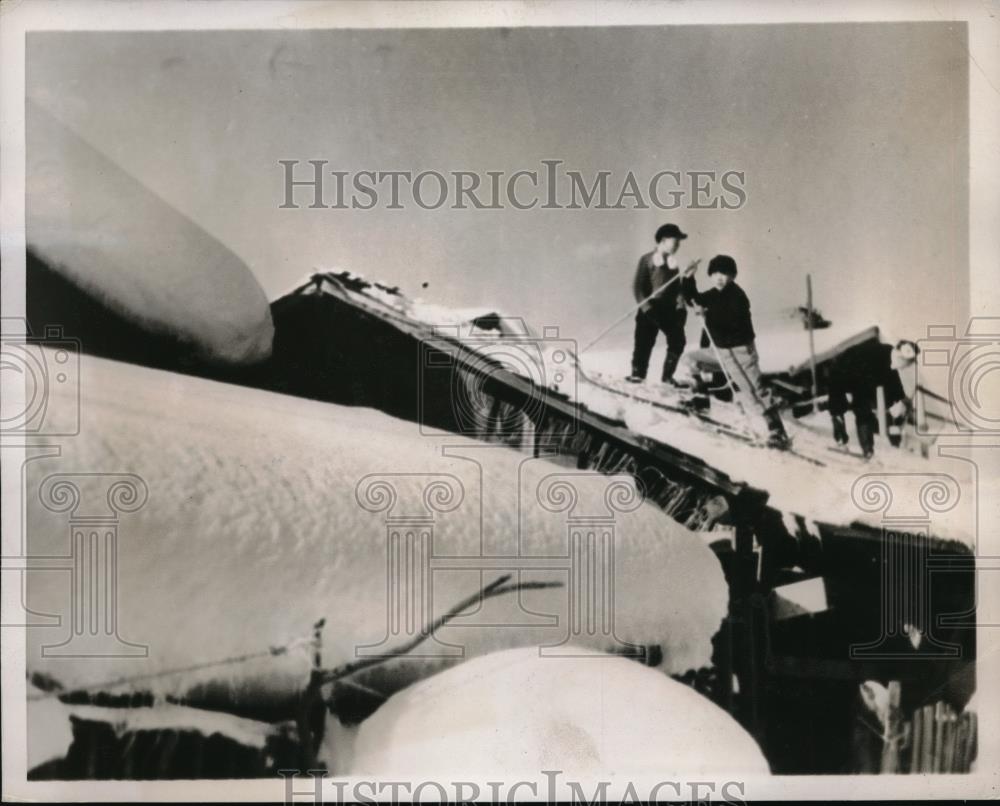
(495, 588)
(120, 681)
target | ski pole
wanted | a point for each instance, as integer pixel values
(633, 309)
(729, 380)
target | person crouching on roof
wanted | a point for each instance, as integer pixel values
(858, 373)
(726, 310)
(665, 312)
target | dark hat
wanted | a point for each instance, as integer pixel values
(722, 263)
(669, 231)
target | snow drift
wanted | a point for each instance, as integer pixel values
(129, 254)
(512, 714)
(265, 513)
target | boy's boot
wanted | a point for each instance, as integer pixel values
(866, 437)
(839, 429)
(777, 437)
(895, 432)
(669, 367)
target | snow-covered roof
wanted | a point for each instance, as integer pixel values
(787, 350)
(813, 482)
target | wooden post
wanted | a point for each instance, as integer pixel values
(948, 765)
(812, 340)
(747, 615)
(917, 746)
(927, 751)
(310, 719)
(905, 742)
(919, 405)
(883, 427)
(746, 601)
(892, 730)
(967, 744)
(939, 720)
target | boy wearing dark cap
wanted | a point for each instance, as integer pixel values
(664, 313)
(726, 310)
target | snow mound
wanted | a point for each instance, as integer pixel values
(102, 229)
(510, 715)
(267, 512)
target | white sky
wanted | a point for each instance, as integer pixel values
(853, 138)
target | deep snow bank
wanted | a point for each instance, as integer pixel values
(255, 527)
(510, 715)
(133, 254)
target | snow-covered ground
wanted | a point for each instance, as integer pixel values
(255, 527)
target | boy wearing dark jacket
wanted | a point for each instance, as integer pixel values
(726, 310)
(664, 313)
(857, 374)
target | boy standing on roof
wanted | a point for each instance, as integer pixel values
(726, 310)
(666, 312)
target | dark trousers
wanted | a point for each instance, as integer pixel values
(862, 404)
(647, 325)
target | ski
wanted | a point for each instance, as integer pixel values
(717, 426)
(846, 452)
(756, 442)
